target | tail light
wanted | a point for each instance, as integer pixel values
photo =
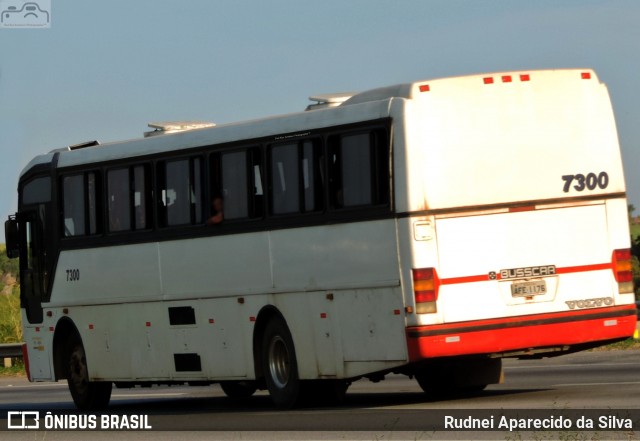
(425, 289)
(623, 270)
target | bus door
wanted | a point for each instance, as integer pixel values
(28, 236)
(33, 273)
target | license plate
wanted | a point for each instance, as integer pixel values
(529, 288)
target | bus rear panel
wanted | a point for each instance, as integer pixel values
(517, 217)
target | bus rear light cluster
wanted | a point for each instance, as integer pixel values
(425, 290)
(623, 270)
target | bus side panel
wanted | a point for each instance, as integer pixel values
(107, 275)
(138, 341)
(38, 339)
(334, 256)
(357, 332)
(216, 266)
(354, 324)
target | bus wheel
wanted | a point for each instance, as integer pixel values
(433, 387)
(87, 395)
(279, 364)
(476, 388)
(238, 389)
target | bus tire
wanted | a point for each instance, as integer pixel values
(279, 364)
(475, 389)
(238, 389)
(434, 387)
(87, 395)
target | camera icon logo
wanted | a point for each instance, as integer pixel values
(29, 14)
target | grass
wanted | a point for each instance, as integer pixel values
(629, 343)
(17, 370)
(10, 327)
(11, 330)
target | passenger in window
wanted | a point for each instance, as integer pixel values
(217, 211)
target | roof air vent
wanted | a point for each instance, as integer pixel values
(328, 100)
(166, 127)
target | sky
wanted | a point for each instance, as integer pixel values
(105, 69)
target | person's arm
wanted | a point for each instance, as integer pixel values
(216, 219)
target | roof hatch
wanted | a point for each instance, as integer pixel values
(325, 100)
(166, 127)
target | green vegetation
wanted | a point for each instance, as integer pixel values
(17, 370)
(7, 266)
(10, 329)
(629, 343)
(635, 231)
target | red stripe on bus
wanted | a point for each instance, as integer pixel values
(584, 268)
(524, 320)
(464, 279)
(564, 270)
(571, 331)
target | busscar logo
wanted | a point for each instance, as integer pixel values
(25, 14)
(23, 420)
(524, 272)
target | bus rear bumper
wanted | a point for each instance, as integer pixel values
(511, 334)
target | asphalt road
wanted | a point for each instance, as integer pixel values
(392, 409)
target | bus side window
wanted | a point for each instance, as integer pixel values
(285, 185)
(312, 180)
(81, 204)
(296, 185)
(118, 199)
(73, 205)
(358, 169)
(141, 193)
(234, 185)
(257, 197)
(181, 192)
(93, 202)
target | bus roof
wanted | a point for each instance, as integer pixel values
(351, 108)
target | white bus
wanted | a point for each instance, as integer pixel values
(428, 229)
